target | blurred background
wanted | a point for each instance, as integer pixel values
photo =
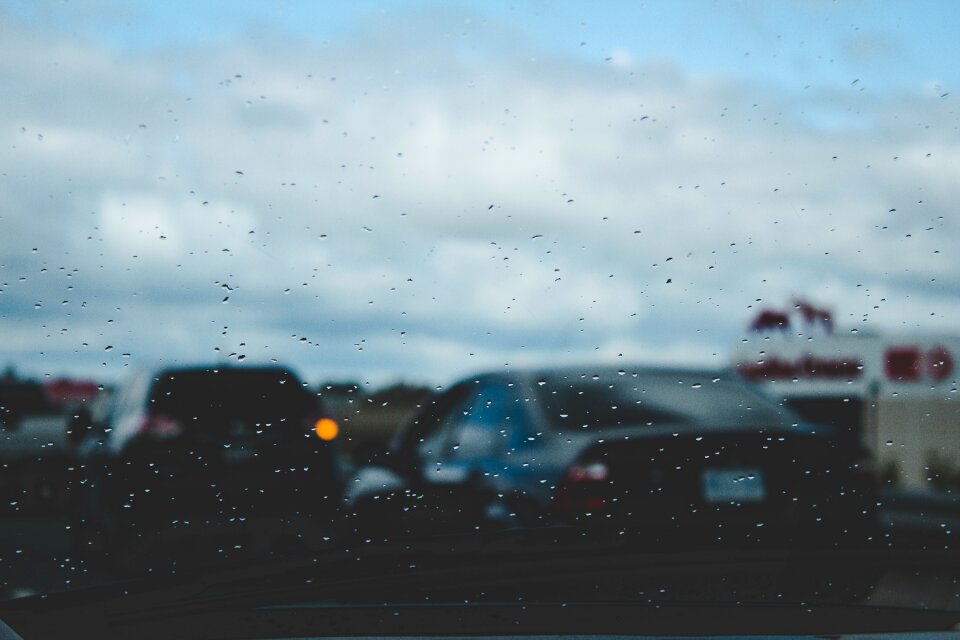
(387, 196)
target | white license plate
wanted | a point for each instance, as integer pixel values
(733, 485)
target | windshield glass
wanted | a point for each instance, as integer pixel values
(626, 295)
(588, 401)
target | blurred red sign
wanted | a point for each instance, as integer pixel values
(910, 363)
(67, 392)
(811, 367)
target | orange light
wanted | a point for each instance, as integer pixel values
(326, 429)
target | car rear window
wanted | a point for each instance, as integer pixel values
(585, 401)
(252, 395)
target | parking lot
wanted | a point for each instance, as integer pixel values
(36, 549)
(36, 556)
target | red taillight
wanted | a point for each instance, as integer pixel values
(590, 472)
(585, 488)
(160, 427)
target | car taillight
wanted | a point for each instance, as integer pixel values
(326, 429)
(159, 427)
(589, 472)
(585, 488)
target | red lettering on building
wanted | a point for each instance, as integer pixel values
(770, 319)
(939, 363)
(808, 315)
(814, 315)
(911, 364)
(902, 364)
(808, 367)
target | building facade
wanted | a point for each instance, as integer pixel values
(895, 394)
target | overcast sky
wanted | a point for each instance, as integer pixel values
(382, 191)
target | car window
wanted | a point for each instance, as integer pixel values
(441, 442)
(584, 401)
(492, 424)
(255, 395)
(428, 427)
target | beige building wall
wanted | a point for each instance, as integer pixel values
(914, 433)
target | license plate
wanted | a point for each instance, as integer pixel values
(733, 485)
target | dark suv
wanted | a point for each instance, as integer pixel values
(194, 450)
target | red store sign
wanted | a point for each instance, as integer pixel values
(808, 367)
(909, 363)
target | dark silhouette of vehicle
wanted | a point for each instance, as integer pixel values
(22, 398)
(193, 450)
(667, 453)
(34, 453)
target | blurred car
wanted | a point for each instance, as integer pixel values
(197, 448)
(22, 398)
(671, 454)
(34, 454)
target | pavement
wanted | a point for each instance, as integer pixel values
(35, 557)
(35, 549)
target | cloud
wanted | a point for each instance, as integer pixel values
(869, 47)
(445, 198)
